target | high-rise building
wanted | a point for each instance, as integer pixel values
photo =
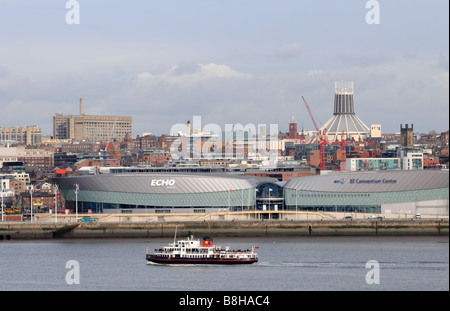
(91, 127)
(344, 120)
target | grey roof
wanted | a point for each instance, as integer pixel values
(373, 181)
(160, 182)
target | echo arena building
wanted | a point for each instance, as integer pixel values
(161, 192)
(386, 192)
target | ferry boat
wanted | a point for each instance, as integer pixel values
(193, 251)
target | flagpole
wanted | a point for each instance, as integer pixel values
(270, 190)
(242, 204)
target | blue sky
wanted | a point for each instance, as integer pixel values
(248, 61)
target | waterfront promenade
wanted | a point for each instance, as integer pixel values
(229, 224)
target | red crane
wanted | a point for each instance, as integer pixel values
(322, 140)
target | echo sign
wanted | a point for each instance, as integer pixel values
(162, 182)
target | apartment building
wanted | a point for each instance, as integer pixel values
(28, 135)
(29, 156)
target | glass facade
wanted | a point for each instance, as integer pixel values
(344, 192)
(269, 197)
(99, 201)
(369, 202)
(358, 164)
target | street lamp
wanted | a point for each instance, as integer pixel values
(56, 203)
(77, 188)
(242, 204)
(2, 193)
(256, 204)
(270, 190)
(31, 203)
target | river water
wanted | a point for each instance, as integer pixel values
(285, 264)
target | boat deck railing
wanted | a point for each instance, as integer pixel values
(205, 250)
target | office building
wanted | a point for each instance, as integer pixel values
(28, 135)
(91, 127)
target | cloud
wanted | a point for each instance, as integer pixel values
(367, 58)
(289, 51)
(442, 79)
(159, 99)
(3, 71)
(316, 72)
(189, 75)
(389, 93)
(386, 93)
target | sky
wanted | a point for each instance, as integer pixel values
(228, 61)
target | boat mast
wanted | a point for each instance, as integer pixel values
(175, 237)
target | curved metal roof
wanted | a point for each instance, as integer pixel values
(373, 181)
(164, 183)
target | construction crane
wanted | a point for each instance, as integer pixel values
(322, 140)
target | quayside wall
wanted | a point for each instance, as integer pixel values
(271, 228)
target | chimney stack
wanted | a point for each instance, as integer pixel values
(81, 106)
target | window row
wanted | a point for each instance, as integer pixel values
(334, 195)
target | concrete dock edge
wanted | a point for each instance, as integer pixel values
(21, 231)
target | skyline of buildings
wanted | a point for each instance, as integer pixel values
(79, 128)
(83, 127)
(297, 154)
(108, 141)
(293, 147)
